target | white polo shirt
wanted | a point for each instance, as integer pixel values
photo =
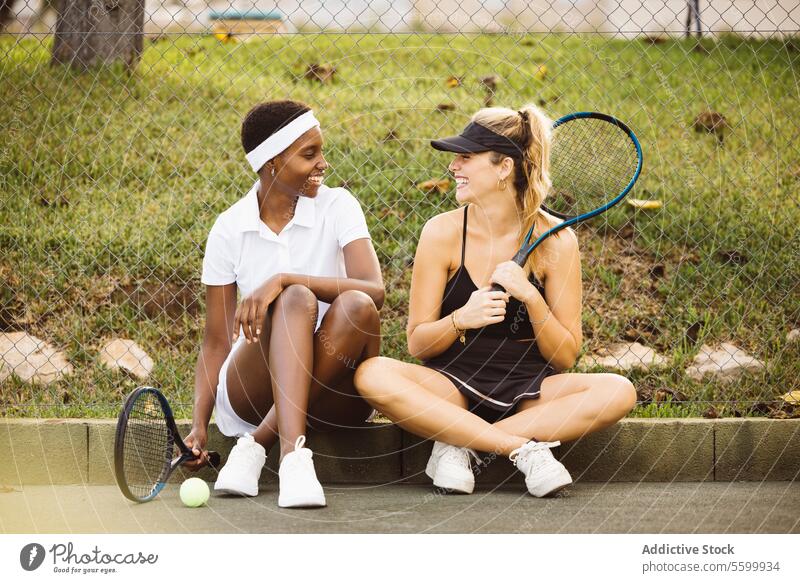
(241, 248)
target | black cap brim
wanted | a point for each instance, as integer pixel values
(458, 145)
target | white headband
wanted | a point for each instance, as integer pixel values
(280, 140)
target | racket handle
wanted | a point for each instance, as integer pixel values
(520, 258)
(213, 459)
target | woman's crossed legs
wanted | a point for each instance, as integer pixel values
(423, 401)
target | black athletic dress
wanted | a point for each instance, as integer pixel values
(492, 369)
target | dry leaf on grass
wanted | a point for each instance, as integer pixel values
(390, 136)
(664, 394)
(712, 122)
(440, 186)
(761, 407)
(792, 398)
(693, 331)
(225, 37)
(321, 73)
(491, 82)
(647, 205)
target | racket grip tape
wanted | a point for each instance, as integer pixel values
(520, 258)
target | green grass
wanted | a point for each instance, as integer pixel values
(111, 180)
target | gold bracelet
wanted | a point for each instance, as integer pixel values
(459, 331)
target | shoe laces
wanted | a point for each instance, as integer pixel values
(459, 455)
(248, 449)
(300, 458)
(533, 453)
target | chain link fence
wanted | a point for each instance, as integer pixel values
(112, 173)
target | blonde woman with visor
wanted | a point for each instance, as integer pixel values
(492, 375)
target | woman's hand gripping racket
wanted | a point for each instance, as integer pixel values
(594, 163)
(148, 447)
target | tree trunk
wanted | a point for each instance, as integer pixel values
(99, 32)
(5, 13)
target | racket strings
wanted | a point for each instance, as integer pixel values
(147, 446)
(592, 161)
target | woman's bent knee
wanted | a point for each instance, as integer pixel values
(297, 297)
(296, 293)
(627, 393)
(370, 377)
(357, 307)
(368, 371)
(623, 396)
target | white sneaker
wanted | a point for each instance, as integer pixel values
(243, 468)
(299, 486)
(544, 475)
(449, 467)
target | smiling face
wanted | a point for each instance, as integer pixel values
(300, 168)
(477, 176)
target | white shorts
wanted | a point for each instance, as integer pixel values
(228, 422)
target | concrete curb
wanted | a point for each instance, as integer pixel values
(81, 451)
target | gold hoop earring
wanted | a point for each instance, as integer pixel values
(501, 184)
(272, 171)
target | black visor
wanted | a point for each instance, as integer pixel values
(477, 138)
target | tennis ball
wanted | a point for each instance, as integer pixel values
(194, 492)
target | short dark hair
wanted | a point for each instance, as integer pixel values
(266, 118)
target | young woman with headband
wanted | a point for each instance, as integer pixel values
(300, 255)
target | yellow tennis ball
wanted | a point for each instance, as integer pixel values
(194, 492)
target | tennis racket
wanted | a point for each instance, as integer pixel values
(594, 162)
(148, 447)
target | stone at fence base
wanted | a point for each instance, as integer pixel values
(727, 362)
(122, 354)
(793, 336)
(31, 359)
(625, 356)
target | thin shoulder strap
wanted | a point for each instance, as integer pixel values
(464, 236)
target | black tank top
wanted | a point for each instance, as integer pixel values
(516, 325)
